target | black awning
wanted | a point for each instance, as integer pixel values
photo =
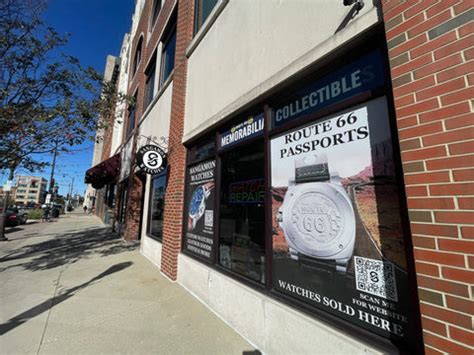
(103, 173)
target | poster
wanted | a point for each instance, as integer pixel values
(200, 209)
(337, 233)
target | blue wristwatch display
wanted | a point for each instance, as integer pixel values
(198, 204)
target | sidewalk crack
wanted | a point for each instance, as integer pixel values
(53, 302)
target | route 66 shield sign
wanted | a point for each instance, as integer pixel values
(151, 159)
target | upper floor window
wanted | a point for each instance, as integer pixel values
(138, 56)
(203, 8)
(131, 117)
(150, 82)
(167, 57)
(155, 11)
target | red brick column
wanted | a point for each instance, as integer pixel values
(134, 209)
(174, 198)
(430, 47)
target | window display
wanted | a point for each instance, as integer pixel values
(157, 199)
(338, 239)
(200, 210)
(242, 212)
(306, 201)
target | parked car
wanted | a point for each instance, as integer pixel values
(15, 217)
(22, 215)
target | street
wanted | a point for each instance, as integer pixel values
(71, 286)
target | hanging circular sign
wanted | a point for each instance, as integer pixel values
(151, 159)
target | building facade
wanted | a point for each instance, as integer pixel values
(317, 187)
(30, 190)
(12, 193)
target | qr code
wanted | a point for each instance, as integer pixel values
(376, 277)
(209, 218)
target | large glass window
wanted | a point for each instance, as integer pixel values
(202, 150)
(167, 59)
(157, 203)
(242, 212)
(203, 10)
(150, 82)
(131, 116)
(123, 201)
(155, 12)
(138, 55)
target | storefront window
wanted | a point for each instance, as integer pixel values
(202, 150)
(110, 195)
(155, 227)
(242, 212)
(337, 241)
(123, 201)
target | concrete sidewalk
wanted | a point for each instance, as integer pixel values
(73, 287)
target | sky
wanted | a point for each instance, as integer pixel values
(96, 29)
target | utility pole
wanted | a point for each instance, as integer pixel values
(53, 165)
(71, 187)
(3, 214)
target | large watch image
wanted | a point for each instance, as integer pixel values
(197, 205)
(317, 217)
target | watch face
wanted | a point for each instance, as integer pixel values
(196, 201)
(318, 220)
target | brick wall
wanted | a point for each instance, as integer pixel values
(137, 86)
(431, 49)
(174, 198)
(133, 212)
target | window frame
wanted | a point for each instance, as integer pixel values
(375, 39)
(199, 21)
(154, 14)
(168, 35)
(131, 113)
(150, 76)
(137, 58)
(121, 216)
(217, 155)
(131, 120)
(260, 139)
(150, 204)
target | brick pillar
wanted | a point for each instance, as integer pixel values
(430, 46)
(134, 210)
(174, 198)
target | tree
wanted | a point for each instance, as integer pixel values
(48, 101)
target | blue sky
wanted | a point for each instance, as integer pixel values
(96, 29)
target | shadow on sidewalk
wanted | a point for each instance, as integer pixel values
(50, 303)
(66, 249)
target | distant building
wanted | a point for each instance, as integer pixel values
(29, 189)
(2, 193)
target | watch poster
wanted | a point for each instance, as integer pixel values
(200, 209)
(337, 237)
